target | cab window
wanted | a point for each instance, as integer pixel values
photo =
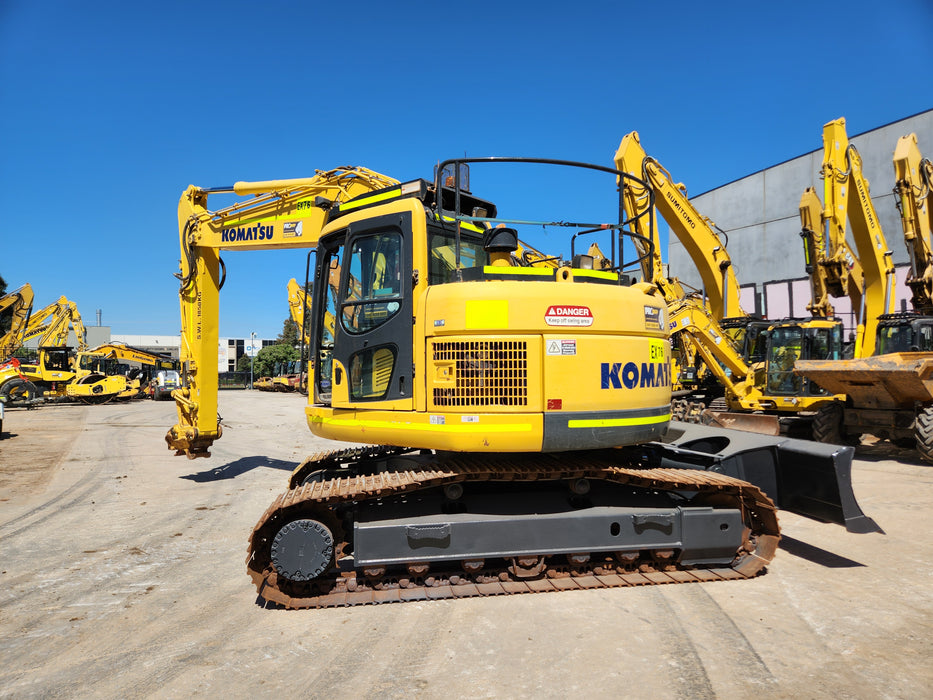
(374, 284)
(442, 256)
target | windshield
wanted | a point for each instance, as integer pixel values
(785, 346)
(905, 337)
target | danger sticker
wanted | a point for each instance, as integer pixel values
(568, 316)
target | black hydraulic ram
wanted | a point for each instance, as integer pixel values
(811, 479)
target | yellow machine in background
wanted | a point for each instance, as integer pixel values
(751, 358)
(846, 196)
(100, 376)
(516, 410)
(15, 308)
(914, 178)
(832, 267)
(48, 377)
(888, 386)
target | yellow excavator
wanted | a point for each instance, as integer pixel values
(832, 267)
(15, 308)
(519, 415)
(914, 176)
(751, 358)
(290, 375)
(888, 385)
(48, 377)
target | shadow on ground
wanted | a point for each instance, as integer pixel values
(240, 466)
(816, 555)
(883, 450)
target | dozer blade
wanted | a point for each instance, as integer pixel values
(749, 422)
(808, 478)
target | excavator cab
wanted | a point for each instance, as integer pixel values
(55, 359)
(904, 332)
(444, 338)
(790, 341)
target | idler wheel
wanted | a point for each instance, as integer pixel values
(302, 550)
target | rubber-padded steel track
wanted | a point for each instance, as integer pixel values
(338, 588)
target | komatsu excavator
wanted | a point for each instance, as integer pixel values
(751, 358)
(888, 385)
(519, 414)
(15, 308)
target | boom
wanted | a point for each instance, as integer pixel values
(842, 173)
(15, 308)
(283, 214)
(51, 325)
(695, 232)
(833, 268)
(914, 181)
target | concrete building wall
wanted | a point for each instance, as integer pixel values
(759, 215)
(94, 335)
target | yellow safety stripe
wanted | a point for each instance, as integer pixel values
(539, 271)
(464, 224)
(372, 199)
(615, 422)
(595, 273)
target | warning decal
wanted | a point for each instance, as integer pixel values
(568, 316)
(561, 347)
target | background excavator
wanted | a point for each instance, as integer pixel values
(751, 358)
(292, 376)
(520, 414)
(15, 308)
(888, 385)
(22, 383)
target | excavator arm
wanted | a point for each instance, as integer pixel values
(51, 325)
(297, 300)
(692, 321)
(281, 214)
(833, 269)
(15, 308)
(914, 175)
(121, 351)
(695, 232)
(842, 174)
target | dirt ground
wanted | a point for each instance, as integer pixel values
(122, 575)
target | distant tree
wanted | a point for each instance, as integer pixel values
(2, 286)
(242, 365)
(267, 359)
(289, 335)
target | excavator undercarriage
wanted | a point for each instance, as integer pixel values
(386, 524)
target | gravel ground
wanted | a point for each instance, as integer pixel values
(122, 571)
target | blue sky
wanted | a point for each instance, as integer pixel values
(110, 109)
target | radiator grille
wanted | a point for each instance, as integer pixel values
(486, 373)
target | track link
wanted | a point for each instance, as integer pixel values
(349, 587)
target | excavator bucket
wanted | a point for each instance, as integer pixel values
(749, 422)
(807, 478)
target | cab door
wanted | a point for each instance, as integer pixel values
(371, 324)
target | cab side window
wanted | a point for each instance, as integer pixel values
(374, 284)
